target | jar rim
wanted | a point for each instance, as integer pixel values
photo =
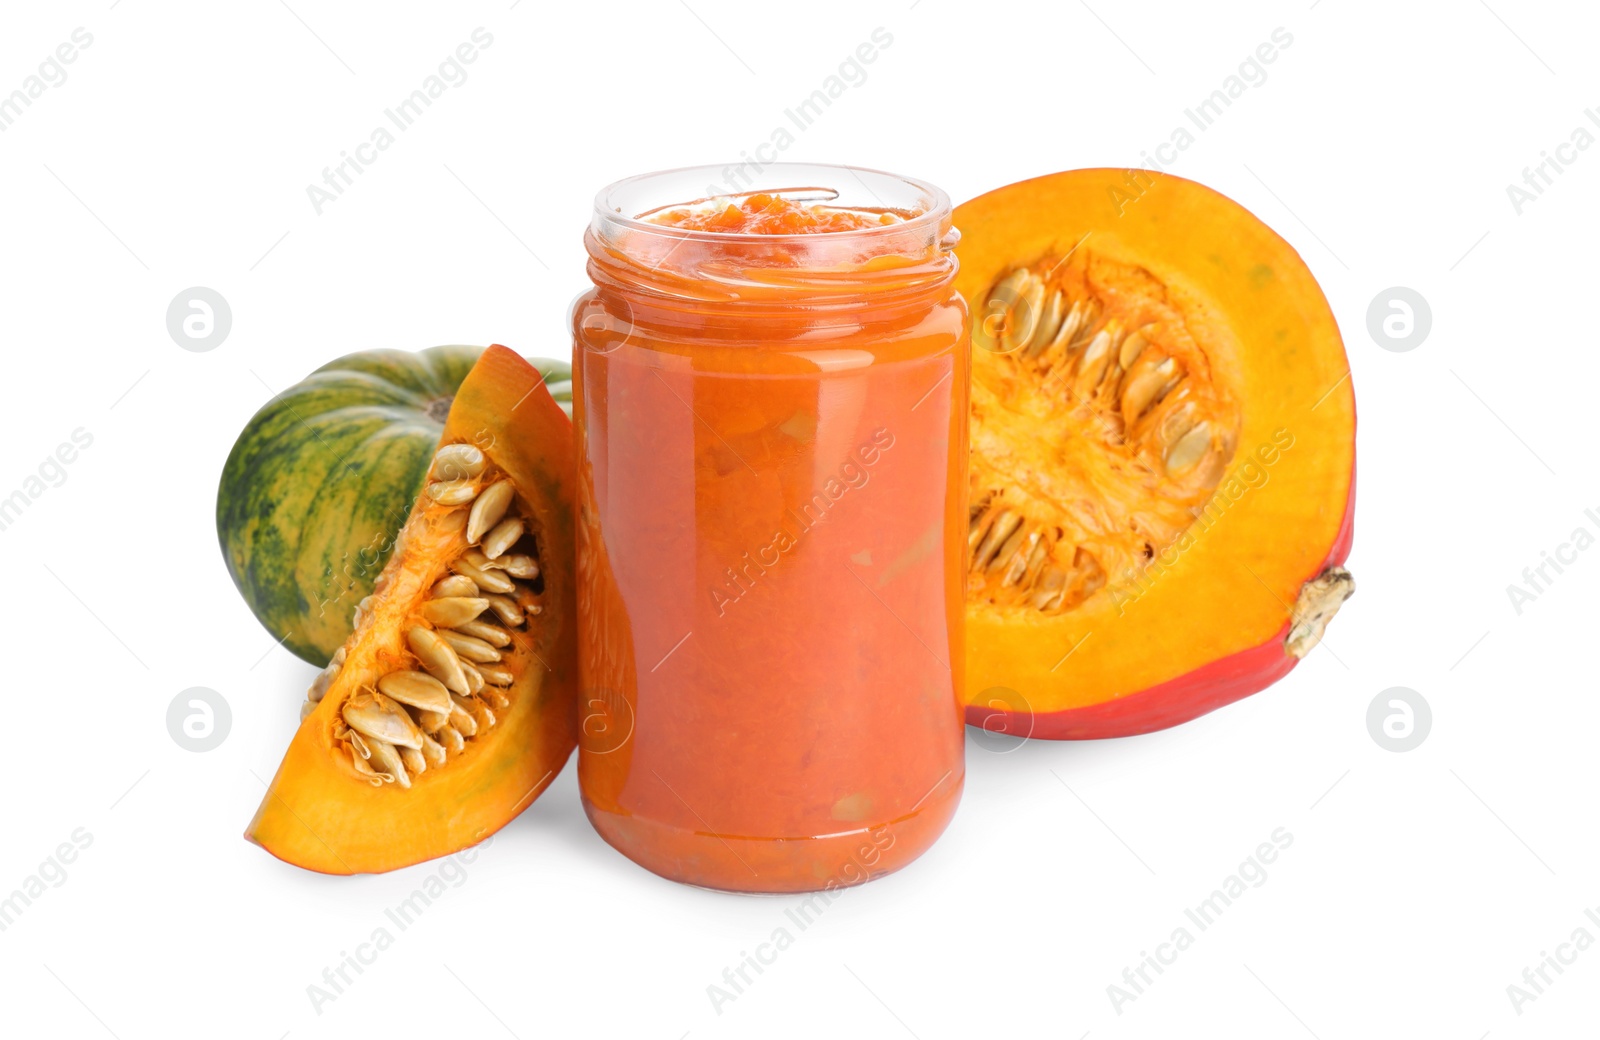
(933, 205)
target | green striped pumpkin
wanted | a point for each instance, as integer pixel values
(325, 474)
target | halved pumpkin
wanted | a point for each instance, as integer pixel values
(453, 703)
(1163, 455)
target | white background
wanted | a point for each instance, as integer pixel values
(1418, 885)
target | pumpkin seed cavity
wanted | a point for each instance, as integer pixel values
(1140, 429)
(420, 716)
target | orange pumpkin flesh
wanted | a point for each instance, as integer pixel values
(1163, 471)
(323, 814)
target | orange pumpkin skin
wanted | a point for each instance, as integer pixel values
(1213, 628)
(318, 813)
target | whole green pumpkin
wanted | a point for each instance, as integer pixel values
(325, 474)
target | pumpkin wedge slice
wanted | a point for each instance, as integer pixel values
(453, 703)
(1163, 455)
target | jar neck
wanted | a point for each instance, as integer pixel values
(660, 266)
(748, 274)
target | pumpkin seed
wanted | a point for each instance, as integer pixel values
(1002, 302)
(495, 676)
(1078, 320)
(1189, 449)
(1018, 559)
(451, 611)
(520, 566)
(1009, 548)
(1052, 589)
(502, 537)
(492, 634)
(412, 759)
(455, 585)
(481, 714)
(450, 738)
(490, 507)
(319, 686)
(416, 689)
(375, 716)
(474, 677)
(461, 719)
(432, 721)
(457, 462)
(1148, 381)
(979, 526)
(1132, 347)
(432, 751)
(453, 493)
(438, 660)
(495, 697)
(488, 580)
(1093, 366)
(1022, 319)
(364, 768)
(1049, 324)
(506, 609)
(385, 759)
(1004, 526)
(470, 648)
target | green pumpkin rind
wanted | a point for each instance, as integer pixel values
(323, 476)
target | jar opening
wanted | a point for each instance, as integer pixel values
(630, 245)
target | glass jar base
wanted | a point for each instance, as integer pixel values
(756, 866)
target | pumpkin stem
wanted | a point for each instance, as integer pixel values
(438, 409)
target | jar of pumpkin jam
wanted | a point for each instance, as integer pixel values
(770, 395)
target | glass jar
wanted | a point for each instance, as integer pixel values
(771, 529)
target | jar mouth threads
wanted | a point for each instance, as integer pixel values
(912, 252)
(626, 203)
